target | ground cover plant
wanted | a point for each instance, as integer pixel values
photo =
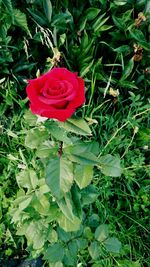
(76, 193)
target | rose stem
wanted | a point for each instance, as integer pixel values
(60, 150)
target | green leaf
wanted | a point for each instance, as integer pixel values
(104, 28)
(35, 137)
(39, 18)
(88, 233)
(94, 250)
(54, 253)
(41, 203)
(119, 22)
(91, 13)
(46, 149)
(59, 176)
(128, 69)
(112, 244)
(110, 165)
(76, 199)
(70, 258)
(122, 49)
(8, 5)
(89, 194)
(127, 84)
(99, 22)
(27, 179)
(82, 243)
(59, 133)
(24, 202)
(57, 264)
(30, 118)
(37, 234)
(137, 35)
(83, 147)
(20, 20)
(83, 175)
(86, 68)
(48, 9)
(101, 232)
(63, 236)
(143, 137)
(82, 24)
(84, 158)
(129, 263)
(103, 2)
(0, 213)
(145, 45)
(66, 206)
(120, 2)
(77, 126)
(69, 225)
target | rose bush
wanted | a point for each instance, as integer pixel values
(56, 94)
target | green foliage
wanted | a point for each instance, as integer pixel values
(59, 176)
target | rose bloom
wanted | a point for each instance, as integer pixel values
(56, 94)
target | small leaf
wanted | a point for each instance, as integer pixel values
(76, 199)
(122, 49)
(47, 9)
(137, 35)
(101, 232)
(82, 24)
(66, 206)
(69, 225)
(128, 69)
(110, 165)
(56, 264)
(35, 137)
(127, 84)
(112, 244)
(36, 234)
(41, 203)
(98, 21)
(143, 137)
(91, 13)
(59, 176)
(24, 202)
(54, 253)
(59, 133)
(120, 2)
(83, 175)
(84, 158)
(89, 194)
(71, 254)
(94, 250)
(83, 147)
(46, 149)
(8, 5)
(104, 28)
(20, 20)
(27, 179)
(75, 125)
(119, 22)
(63, 236)
(30, 118)
(39, 18)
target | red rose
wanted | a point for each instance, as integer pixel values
(56, 94)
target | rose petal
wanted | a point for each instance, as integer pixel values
(80, 96)
(52, 113)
